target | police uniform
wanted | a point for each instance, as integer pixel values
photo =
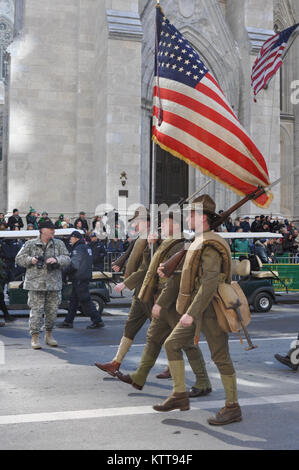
(80, 272)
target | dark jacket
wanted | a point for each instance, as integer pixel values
(98, 254)
(261, 251)
(31, 219)
(80, 268)
(256, 226)
(115, 246)
(84, 223)
(245, 226)
(13, 220)
(289, 245)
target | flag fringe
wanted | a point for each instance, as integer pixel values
(211, 175)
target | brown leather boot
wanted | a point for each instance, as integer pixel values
(109, 367)
(230, 413)
(128, 380)
(165, 374)
(178, 401)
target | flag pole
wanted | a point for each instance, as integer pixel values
(154, 159)
(290, 45)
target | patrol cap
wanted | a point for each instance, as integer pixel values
(76, 234)
(46, 224)
(206, 202)
(140, 213)
(92, 235)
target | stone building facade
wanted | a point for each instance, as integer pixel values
(76, 101)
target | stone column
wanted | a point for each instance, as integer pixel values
(295, 56)
(264, 126)
(123, 129)
(43, 108)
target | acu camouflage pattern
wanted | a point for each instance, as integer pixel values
(43, 279)
(42, 302)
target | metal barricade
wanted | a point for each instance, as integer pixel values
(109, 258)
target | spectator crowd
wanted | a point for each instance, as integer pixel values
(104, 235)
(268, 250)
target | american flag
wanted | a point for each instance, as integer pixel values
(269, 59)
(193, 121)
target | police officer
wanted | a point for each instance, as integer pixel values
(98, 252)
(80, 272)
(44, 259)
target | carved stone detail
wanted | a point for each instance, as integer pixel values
(187, 8)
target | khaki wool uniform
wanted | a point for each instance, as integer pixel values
(207, 277)
(139, 312)
(166, 292)
(45, 284)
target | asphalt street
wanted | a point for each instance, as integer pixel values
(55, 398)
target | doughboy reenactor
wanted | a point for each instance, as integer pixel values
(135, 272)
(164, 314)
(208, 262)
(44, 259)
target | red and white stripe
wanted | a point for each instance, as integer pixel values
(200, 127)
(266, 64)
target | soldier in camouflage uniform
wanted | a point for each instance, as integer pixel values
(44, 258)
(2, 302)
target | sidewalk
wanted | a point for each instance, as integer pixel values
(117, 306)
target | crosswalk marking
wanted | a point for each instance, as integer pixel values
(136, 410)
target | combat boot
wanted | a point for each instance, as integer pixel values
(35, 342)
(175, 401)
(110, 367)
(165, 374)
(230, 413)
(50, 340)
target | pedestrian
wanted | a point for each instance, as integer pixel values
(240, 246)
(245, 225)
(163, 294)
(10, 248)
(256, 224)
(98, 252)
(136, 268)
(207, 259)
(59, 222)
(3, 307)
(44, 259)
(115, 246)
(79, 225)
(260, 249)
(68, 223)
(15, 219)
(80, 273)
(3, 222)
(83, 220)
(44, 217)
(31, 218)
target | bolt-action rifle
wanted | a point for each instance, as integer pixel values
(170, 265)
(121, 261)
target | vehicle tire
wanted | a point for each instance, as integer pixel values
(99, 303)
(263, 302)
